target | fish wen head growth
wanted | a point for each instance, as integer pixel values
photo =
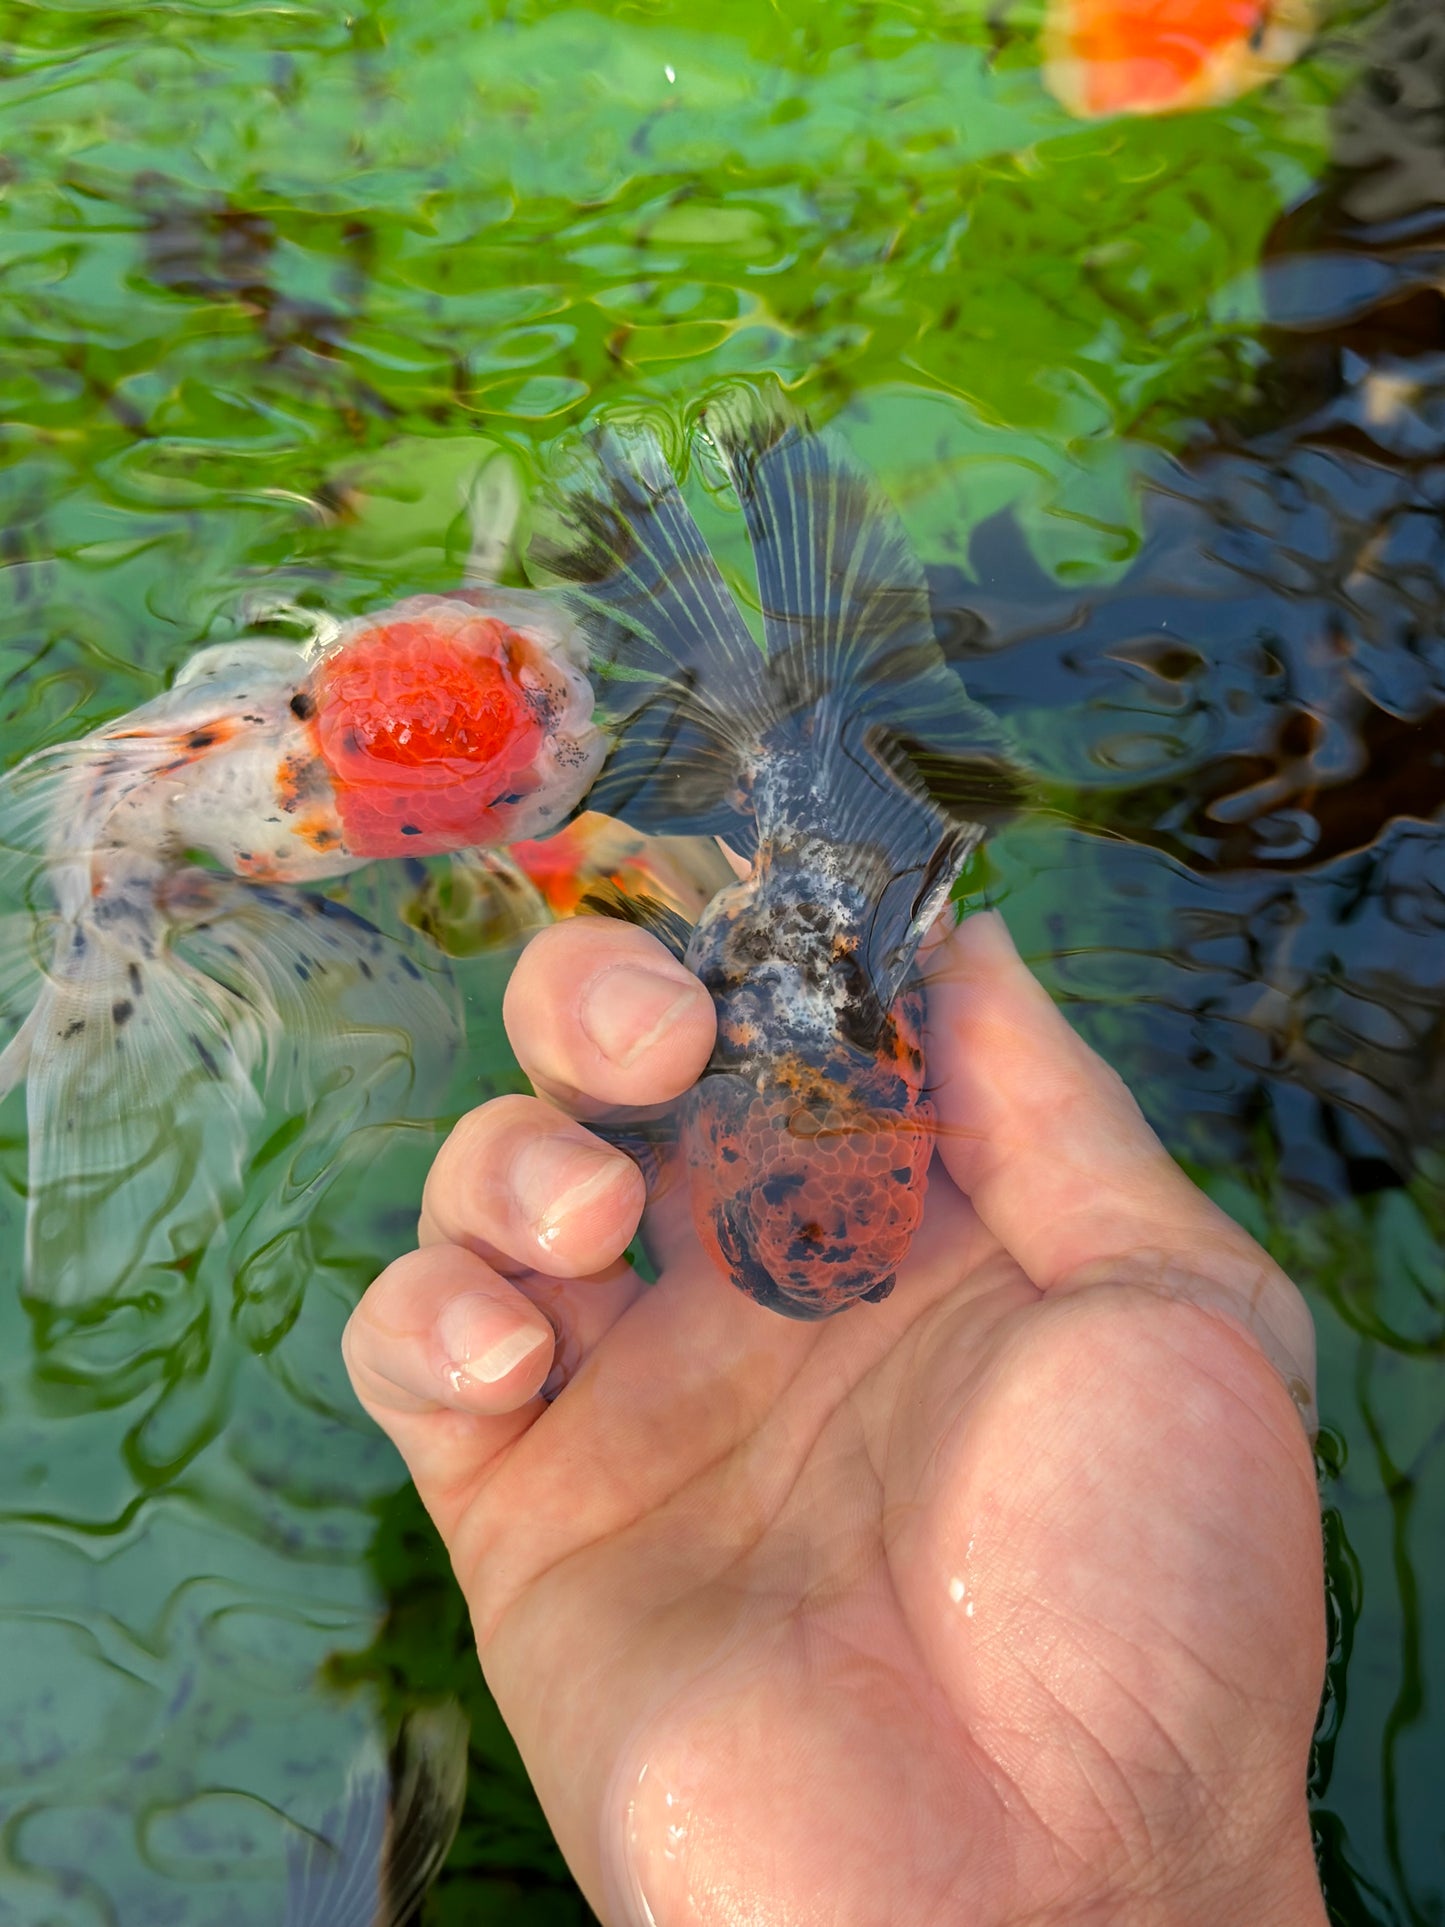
(452, 721)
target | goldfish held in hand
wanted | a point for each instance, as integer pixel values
(171, 963)
(1104, 57)
(845, 764)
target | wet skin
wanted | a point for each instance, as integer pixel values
(999, 1601)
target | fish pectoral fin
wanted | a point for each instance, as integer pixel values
(494, 501)
(911, 901)
(666, 924)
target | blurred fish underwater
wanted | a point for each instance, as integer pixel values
(845, 763)
(487, 898)
(1105, 57)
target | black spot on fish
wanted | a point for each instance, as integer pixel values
(74, 1027)
(901, 1174)
(779, 1188)
(208, 1062)
(133, 976)
(121, 1012)
(258, 721)
(303, 970)
(364, 967)
(410, 829)
(410, 968)
(303, 705)
(201, 739)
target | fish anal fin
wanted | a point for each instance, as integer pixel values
(376, 1853)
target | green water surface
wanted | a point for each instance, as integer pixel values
(274, 280)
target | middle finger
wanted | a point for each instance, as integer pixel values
(516, 1181)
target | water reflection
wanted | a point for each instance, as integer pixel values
(1256, 715)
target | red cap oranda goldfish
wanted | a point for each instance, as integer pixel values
(1106, 57)
(443, 722)
(846, 765)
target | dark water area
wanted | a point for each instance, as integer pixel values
(1163, 404)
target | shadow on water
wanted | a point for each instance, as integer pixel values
(1253, 719)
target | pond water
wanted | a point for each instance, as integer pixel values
(1163, 404)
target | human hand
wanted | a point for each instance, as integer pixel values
(998, 1602)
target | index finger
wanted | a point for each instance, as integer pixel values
(601, 1015)
(1060, 1164)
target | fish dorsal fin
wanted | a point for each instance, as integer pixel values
(679, 677)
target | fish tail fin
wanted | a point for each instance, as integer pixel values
(175, 1006)
(374, 1856)
(896, 761)
(852, 647)
(679, 678)
(138, 1077)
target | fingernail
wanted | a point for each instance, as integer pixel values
(626, 1011)
(553, 1178)
(484, 1340)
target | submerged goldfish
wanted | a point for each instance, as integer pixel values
(1106, 57)
(846, 764)
(442, 722)
(488, 897)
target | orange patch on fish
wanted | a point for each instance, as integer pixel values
(425, 726)
(1107, 57)
(595, 849)
(808, 1180)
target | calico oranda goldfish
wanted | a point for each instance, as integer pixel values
(1104, 57)
(160, 845)
(844, 764)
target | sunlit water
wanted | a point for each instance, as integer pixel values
(1162, 403)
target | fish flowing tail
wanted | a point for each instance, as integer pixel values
(848, 721)
(175, 1009)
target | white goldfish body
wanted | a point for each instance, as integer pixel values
(166, 987)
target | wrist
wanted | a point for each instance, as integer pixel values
(1276, 1885)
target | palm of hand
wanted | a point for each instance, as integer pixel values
(987, 1604)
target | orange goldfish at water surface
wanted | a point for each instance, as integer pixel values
(1105, 57)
